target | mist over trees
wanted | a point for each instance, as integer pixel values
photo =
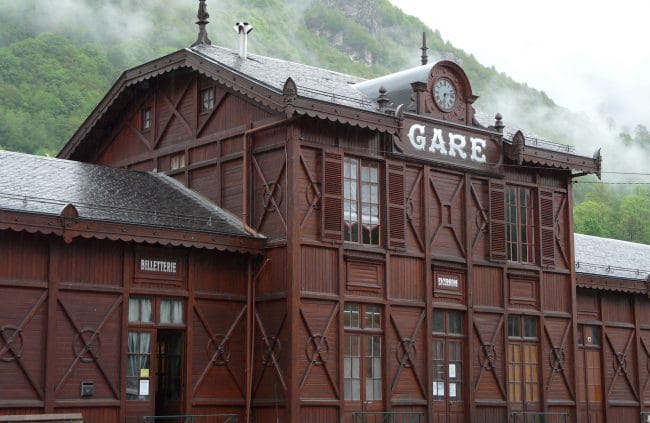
(58, 58)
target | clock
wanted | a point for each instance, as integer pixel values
(444, 94)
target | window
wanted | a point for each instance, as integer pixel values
(139, 366)
(177, 161)
(207, 99)
(520, 227)
(140, 310)
(588, 336)
(523, 359)
(361, 201)
(145, 119)
(171, 312)
(362, 360)
(447, 355)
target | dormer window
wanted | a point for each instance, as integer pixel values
(207, 99)
(145, 118)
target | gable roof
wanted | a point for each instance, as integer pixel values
(611, 258)
(293, 88)
(139, 204)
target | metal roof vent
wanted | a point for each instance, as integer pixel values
(243, 28)
(202, 21)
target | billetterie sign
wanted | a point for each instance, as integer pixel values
(433, 140)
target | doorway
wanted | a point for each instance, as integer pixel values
(169, 388)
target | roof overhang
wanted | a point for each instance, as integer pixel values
(70, 227)
(612, 284)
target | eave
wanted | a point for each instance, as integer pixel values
(70, 228)
(521, 153)
(612, 284)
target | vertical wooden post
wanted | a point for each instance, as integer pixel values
(293, 266)
(470, 406)
(127, 280)
(428, 285)
(52, 300)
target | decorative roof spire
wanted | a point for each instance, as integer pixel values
(498, 123)
(424, 49)
(382, 100)
(203, 16)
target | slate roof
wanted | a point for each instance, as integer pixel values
(312, 82)
(339, 88)
(43, 185)
(611, 257)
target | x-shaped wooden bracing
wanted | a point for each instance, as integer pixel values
(556, 222)
(483, 215)
(414, 230)
(221, 95)
(218, 352)
(317, 353)
(270, 348)
(175, 113)
(558, 365)
(270, 192)
(646, 348)
(447, 207)
(87, 346)
(8, 341)
(313, 184)
(620, 366)
(407, 359)
(490, 360)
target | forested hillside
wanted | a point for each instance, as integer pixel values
(58, 58)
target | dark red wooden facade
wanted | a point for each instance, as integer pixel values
(444, 314)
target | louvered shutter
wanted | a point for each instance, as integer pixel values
(547, 218)
(497, 221)
(332, 207)
(396, 211)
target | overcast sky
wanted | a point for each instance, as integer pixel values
(591, 56)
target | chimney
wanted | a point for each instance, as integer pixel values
(243, 28)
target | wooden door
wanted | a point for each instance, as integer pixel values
(590, 393)
(448, 395)
(363, 361)
(169, 374)
(140, 381)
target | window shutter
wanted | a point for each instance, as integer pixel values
(497, 221)
(547, 218)
(396, 210)
(332, 206)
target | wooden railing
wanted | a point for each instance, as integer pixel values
(44, 418)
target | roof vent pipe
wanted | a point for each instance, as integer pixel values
(243, 28)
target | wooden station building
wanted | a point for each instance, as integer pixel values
(253, 236)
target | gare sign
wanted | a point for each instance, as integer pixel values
(453, 145)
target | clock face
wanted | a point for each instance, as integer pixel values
(444, 94)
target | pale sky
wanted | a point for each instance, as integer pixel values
(590, 56)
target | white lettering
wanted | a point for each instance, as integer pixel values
(450, 282)
(160, 266)
(457, 143)
(437, 143)
(417, 141)
(478, 145)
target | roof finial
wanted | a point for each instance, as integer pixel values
(424, 48)
(498, 123)
(382, 100)
(203, 16)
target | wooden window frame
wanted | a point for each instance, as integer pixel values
(523, 358)
(366, 329)
(520, 223)
(449, 338)
(354, 185)
(146, 119)
(206, 107)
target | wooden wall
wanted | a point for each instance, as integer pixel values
(65, 320)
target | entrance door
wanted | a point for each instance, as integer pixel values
(448, 404)
(169, 389)
(363, 369)
(590, 386)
